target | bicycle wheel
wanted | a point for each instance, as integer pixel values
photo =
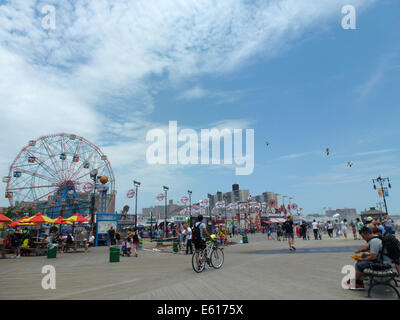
(202, 264)
(217, 258)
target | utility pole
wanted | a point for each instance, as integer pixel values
(381, 183)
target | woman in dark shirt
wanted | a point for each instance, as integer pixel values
(135, 239)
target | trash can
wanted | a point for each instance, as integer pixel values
(245, 238)
(52, 252)
(114, 254)
(175, 246)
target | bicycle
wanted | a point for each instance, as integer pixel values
(211, 254)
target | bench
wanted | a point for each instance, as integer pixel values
(78, 244)
(385, 276)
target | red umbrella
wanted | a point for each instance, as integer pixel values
(39, 218)
(77, 218)
(59, 220)
(3, 218)
(19, 222)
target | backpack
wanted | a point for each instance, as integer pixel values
(286, 227)
(392, 246)
(196, 235)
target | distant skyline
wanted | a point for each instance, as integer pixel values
(111, 71)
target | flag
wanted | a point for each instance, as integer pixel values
(385, 190)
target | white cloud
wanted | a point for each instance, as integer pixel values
(384, 66)
(368, 153)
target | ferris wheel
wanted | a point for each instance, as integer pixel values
(54, 176)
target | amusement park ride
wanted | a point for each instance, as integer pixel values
(53, 175)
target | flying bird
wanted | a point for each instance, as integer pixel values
(349, 164)
(327, 151)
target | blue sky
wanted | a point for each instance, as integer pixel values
(112, 71)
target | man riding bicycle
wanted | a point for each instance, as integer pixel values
(199, 237)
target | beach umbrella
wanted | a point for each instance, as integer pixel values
(77, 218)
(60, 220)
(21, 222)
(3, 218)
(39, 218)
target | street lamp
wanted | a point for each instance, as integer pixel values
(224, 197)
(93, 176)
(381, 181)
(136, 184)
(248, 210)
(190, 207)
(165, 222)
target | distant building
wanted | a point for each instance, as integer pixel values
(173, 209)
(346, 213)
(372, 212)
(238, 195)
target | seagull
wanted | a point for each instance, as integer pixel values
(349, 164)
(327, 151)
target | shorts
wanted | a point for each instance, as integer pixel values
(362, 265)
(199, 246)
(222, 241)
(290, 235)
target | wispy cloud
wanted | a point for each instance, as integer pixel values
(384, 66)
(368, 153)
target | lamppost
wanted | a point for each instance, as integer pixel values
(190, 207)
(165, 222)
(224, 197)
(381, 181)
(93, 176)
(151, 225)
(136, 184)
(248, 210)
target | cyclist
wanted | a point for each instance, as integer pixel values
(199, 237)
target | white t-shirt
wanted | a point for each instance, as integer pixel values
(344, 225)
(315, 225)
(188, 233)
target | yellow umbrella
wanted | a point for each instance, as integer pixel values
(39, 218)
(77, 218)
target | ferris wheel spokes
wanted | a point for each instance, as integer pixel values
(101, 167)
(83, 164)
(66, 157)
(36, 200)
(37, 174)
(76, 152)
(54, 157)
(34, 187)
(44, 164)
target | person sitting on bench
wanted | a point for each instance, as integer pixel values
(374, 247)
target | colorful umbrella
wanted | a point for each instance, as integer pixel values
(77, 218)
(39, 218)
(21, 222)
(60, 220)
(3, 218)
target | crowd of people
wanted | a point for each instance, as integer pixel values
(21, 242)
(331, 228)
